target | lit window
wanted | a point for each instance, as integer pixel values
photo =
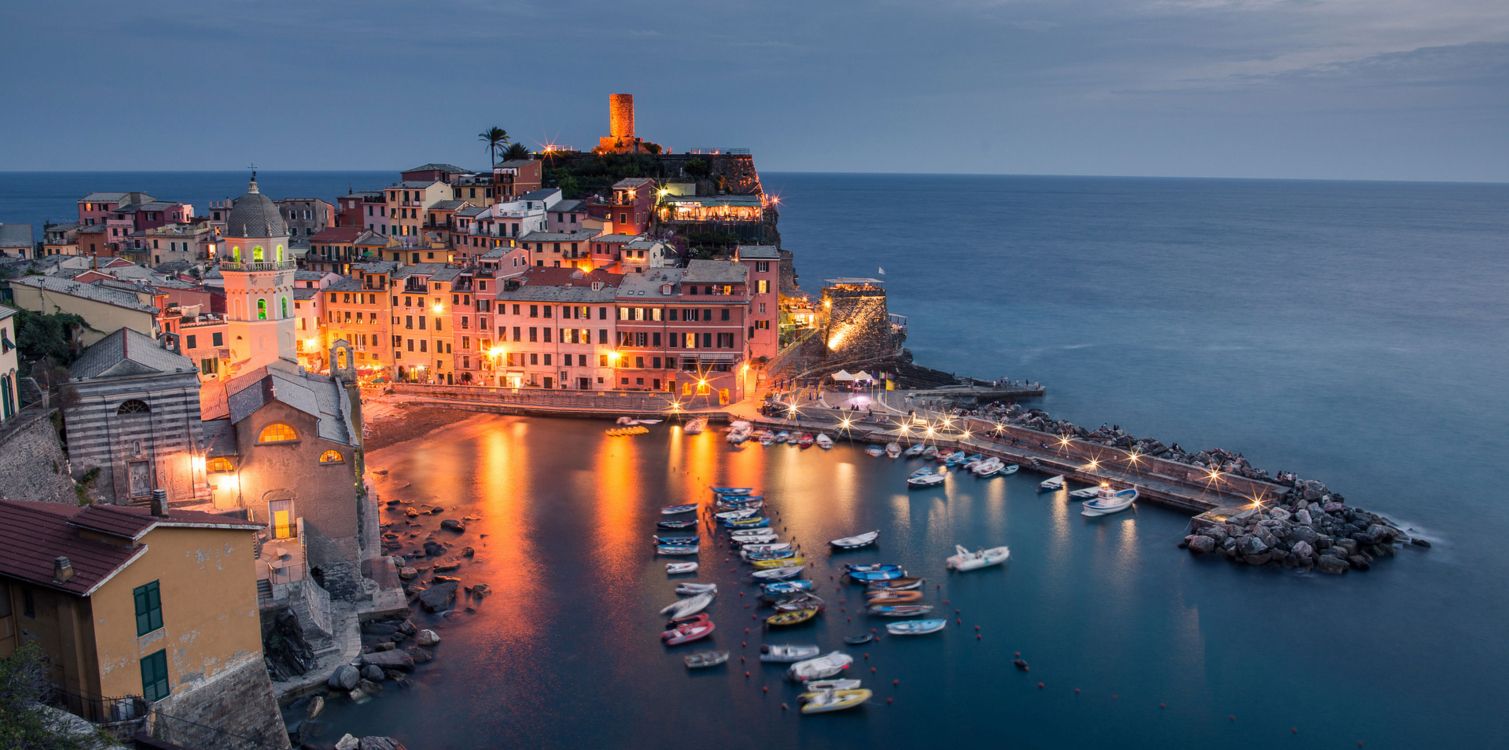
(219, 465)
(257, 254)
(261, 309)
(332, 457)
(277, 432)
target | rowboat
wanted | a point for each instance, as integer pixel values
(765, 536)
(691, 588)
(671, 510)
(820, 668)
(719, 490)
(916, 627)
(687, 633)
(687, 607)
(1086, 493)
(777, 563)
(784, 652)
(676, 549)
(695, 426)
(781, 558)
(894, 597)
(857, 541)
(781, 588)
(823, 441)
(680, 568)
(734, 515)
(929, 479)
(705, 659)
(742, 536)
(828, 701)
(756, 549)
(806, 440)
(874, 451)
(1106, 505)
(1010, 469)
(1051, 484)
(779, 574)
(783, 437)
(682, 523)
(859, 640)
(870, 576)
(786, 619)
(963, 559)
(899, 610)
(899, 584)
(869, 567)
(675, 539)
(799, 602)
(930, 451)
(752, 522)
(893, 449)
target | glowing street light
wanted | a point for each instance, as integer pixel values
(844, 423)
(1063, 441)
(1093, 465)
(437, 308)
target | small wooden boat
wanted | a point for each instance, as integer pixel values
(782, 588)
(930, 451)
(1051, 484)
(1010, 469)
(783, 437)
(752, 522)
(787, 619)
(883, 598)
(676, 549)
(692, 588)
(671, 510)
(820, 668)
(766, 536)
(779, 558)
(779, 574)
(874, 451)
(824, 442)
(963, 559)
(734, 515)
(1107, 504)
(675, 539)
(687, 607)
(695, 426)
(828, 701)
(705, 659)
(899, 610)
(929, 479)
(859, 640)
(687, 633)
(680, 568)
(775, 563)
(899, 584)
(857, 541)
(787, 652)
(893, 450)
(916, 627)
(915, 450)
(683, 523)
(799, 602)
(869, 567)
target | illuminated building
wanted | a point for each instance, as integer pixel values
(555, 329)
(621, 137)
(257, 268)
(857, 323)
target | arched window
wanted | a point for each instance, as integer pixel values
(133, 406)
(285, 307)
(279, 253)
(332, 457)
(261, 309)
(219, 465)
(277, 432)
(257, 254)
(236, 253)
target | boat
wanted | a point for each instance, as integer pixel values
(892, 598)
(828, 701)
(928, 479)
(680, 568)
(631, 421)
(915, 450)
(772, 559)
(823, 441)
(734, 515)
(679, 523)
(717, 490)
(777, 563)
(752, 522)
(687, 607)
(787, 652)
(817, 686)
(930, 451)
(688, 620)
(800, 602)
(740, 425)
(899, 584)
(739, 502)
(857, 541)
(765, 548)
(781, 588)
(764, 536)
(859, 640)
(692, 588)
(741, 536)
(987, 467)
(1108, 504)
(779, 574)
(899, 610)
(671, 510)
(869, 576)
(787, 619)
(705, 659)
(916, 627)
(1051, 484)
(1010, 469)
(695, 426)
(767, 440)
(783, 437)
(688, 632)
(820, 668)
(963, 559)
(675, 539)
(1085, 494)
(852, 567)
(874, 451)
(676, 549)
(737, 438)
(806, 440)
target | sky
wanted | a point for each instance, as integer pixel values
(1328, 89)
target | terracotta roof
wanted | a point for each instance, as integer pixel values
(33, 535)
(337, 234)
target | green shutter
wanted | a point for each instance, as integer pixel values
(154, 676)
(148, 599)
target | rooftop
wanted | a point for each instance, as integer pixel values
(575, 235)
(15, 235)
(561, 285)
(124, 353)
(283, 382)
(106, 295)
(715, 272)
(439, 167)
(758, 252)
(340, 235)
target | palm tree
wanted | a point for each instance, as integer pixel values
(496, 139)
(516, 151)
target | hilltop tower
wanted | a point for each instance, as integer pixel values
(258, 270)
(621, 117)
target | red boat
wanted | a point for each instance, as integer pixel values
(806, 440)
(688, 632)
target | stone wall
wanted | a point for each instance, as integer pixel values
(233, 710)
(32, 459)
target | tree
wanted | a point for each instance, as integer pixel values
(496, 139)
(42, 335)
(516, 151)
(23, 681)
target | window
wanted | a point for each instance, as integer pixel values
(154, 676)
(148, 608)
(219, 464)
(258, 254)
(261, 309)
(217, 339)
(133, 406)
(284, 312)
(193, 344)
(277, 432)
(332, 457)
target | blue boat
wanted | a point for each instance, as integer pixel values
(868, 576)
(758, 522)
(916, 627)
(675, 539)
(872, 567)
(782, 588)
(732, 490)
(770, 555)
(676, 524)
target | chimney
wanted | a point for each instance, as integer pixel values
(62, 570)
(160, 503)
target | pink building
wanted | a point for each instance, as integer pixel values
(764, 265)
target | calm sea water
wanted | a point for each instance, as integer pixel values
(1354, 332)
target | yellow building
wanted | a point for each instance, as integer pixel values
(143, 614)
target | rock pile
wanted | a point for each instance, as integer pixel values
(1305, 529)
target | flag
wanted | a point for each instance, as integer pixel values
(882, 270)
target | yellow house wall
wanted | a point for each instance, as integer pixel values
(103, 318)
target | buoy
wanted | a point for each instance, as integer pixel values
(873, 670)
(764, 688)
(1017, 654)
(1293, 730)
(1162, 706)
(746, 675)
(867, 657)
(1076, 691)
(896, 681)
(785, 707)
(1040, 686)
(889, 701)
(979, 637)
(744, 644)
(977, 627)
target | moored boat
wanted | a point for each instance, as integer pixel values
(788, 652)
(923, 480)
(898, 584)
(1051, 484)
(782, 588)
(874, 451)
(787, 619)
(676, 549)
(820, 668)
(692, 588)
(869, 576)
(682, 523)
(814, 686)
(883, 597)
(687, 607)
(680, 568)
(705, 659)
(779, 574)
(899, 610)
(859, 640)
(964, 559)
(823, 441)
(893, 449)
(828, 701)
(1108, 504)
(695, 426)
(671, 510)
(857, 541)
(916, 627)
(778, 563)
(915, 450)
(688, 632)
(799, 602)
(806, 440)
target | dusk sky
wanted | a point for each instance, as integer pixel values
(1368, 89)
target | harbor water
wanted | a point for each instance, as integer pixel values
(1357, 333)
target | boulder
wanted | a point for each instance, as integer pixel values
(370, 688)
(1302, 517)
(406, 627)
(381, 743)
(433, 549)
(427, 637)
(372, 672)
(316, 705)
(407, 573)
(1332, 564)
(420, 656)
(1359, 562)
(446, 566)
(348, 742)
(1262, 558)
(468, 552)
(1302, 550)
(399, 660)
(451, 524)
(1251, 545)
(1278, 514)
(438, 597)
(345, 677)
(1201, 544)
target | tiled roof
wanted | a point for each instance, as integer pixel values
(715, 272)
(575, 235)
(315, 395)
(337, 235)
(758, 252)
(567, 206)
(107, 295)
(15, 235)
(124, 353)
(628, 183)
(439, 167)
(6, 312)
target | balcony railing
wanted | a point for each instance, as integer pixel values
(256, 265)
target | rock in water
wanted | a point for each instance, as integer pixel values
(372, 672)
(427, 637)
(451, 524)
(381, 743)
(316, 705)
(345, 677)
(1332, 564)
(438, 597)
(348, 742)
(1202, 545)
(399, 660)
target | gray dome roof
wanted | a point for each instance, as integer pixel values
(254, 215)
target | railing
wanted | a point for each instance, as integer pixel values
(620, 401)
(97, 709)
(256, 265)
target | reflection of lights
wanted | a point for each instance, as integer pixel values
(1000, 428)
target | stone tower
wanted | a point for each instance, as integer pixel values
(258, 270)
(621, 117)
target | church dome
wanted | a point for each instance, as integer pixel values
(254, 215)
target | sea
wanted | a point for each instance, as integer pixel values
(1353, 332)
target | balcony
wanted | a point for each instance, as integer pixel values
(257, 265)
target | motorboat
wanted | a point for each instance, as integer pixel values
(680, 568)
(893, 449)
(915, 450)
(1051, 484)
(874, 451)
(782, 588)
(857, 541)
(692, 588)
(916, 627)
(828, 701)
(676, 549)
(788, 652)
(676, 523)
(740, 425)
(859, 639)
(688, 632)
(800, 602)
(779, 574)
(688, 606)
(695, 426)
(899, 610)
(820, 668)
(963, 559)
(823, 441)
(1108, 504)
(814, 686)
(806, 440)
(780, 562)
(705, 659)
(787, 619)
(870, 576)
(671, 510)
(688, 620)
(986, 466)
(899, 584)
(929, 479)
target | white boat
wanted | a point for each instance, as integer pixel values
(765, 537)
(817, 686)
(823, 441)
(734, 515)
(964, 559)
(893, 449)
(822, 667)
(695, 426)
(1010, 469)
(1107, 504)
(737, 438)
(693, 588)
(687, 607)
(874, 451)
(631, 421)
(779, 574)
(827, 701)
(788, 652)
(1051, 484)
(737, 534)
(1086, 493)
(858, 540)
(681, 568)
(755, 549)
(988, 467)
(739, 425)
(927, 479)
(914, 451)
(916, 627)
(677, 550)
